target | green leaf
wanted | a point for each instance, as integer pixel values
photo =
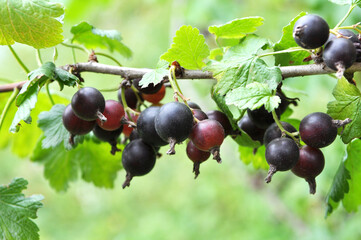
(255, 156)
(94, 160)
(220, 101)
(16, 211)
(346, 105)
(92, 38)
(347, 182)
(286, 42)
(35, 23)
(24, 110)
(253, 96)
(65, 78)
(23, 144)
(188, 48)
(237, 28)
(155, 76)
(246, 141)
(52, 125)
(352, 200)
(241, 66)
(338, 189)
(60, 167)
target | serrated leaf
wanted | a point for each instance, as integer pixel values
(24, 110)
(92, 38)
(253, 96)
(241, 66)
(255, 156)
(16, 210)
(61, 167)
(347, 182)
(237, 28)
(346, 105)
(35, 23)
(286, 42)
(156, 75)
(52, 125)
(65, 78)
(188, 48)
(338, 188)
(352, 200)
(23, 144)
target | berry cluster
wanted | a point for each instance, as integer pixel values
(342, 47)
(283, 149)
(147, 130)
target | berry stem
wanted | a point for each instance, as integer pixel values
(38, 57)
(49, 94)
(125, 105)
(22, 64)
(289, 50)
(345, 17)
(10, 100)
(174, 84)
(283, 130)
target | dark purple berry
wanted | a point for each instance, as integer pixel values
(75, 125)
(88, 104)
(130, 97)
(311, 31)
(138, 159)
(339, 54)
(309, 165)
(108, 136)
(281, 155)
(248, 126)
(318, 130)
(146, 127)
(174, 123)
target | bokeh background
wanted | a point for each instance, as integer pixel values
(227, 201)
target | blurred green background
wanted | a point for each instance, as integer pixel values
(227, 201)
